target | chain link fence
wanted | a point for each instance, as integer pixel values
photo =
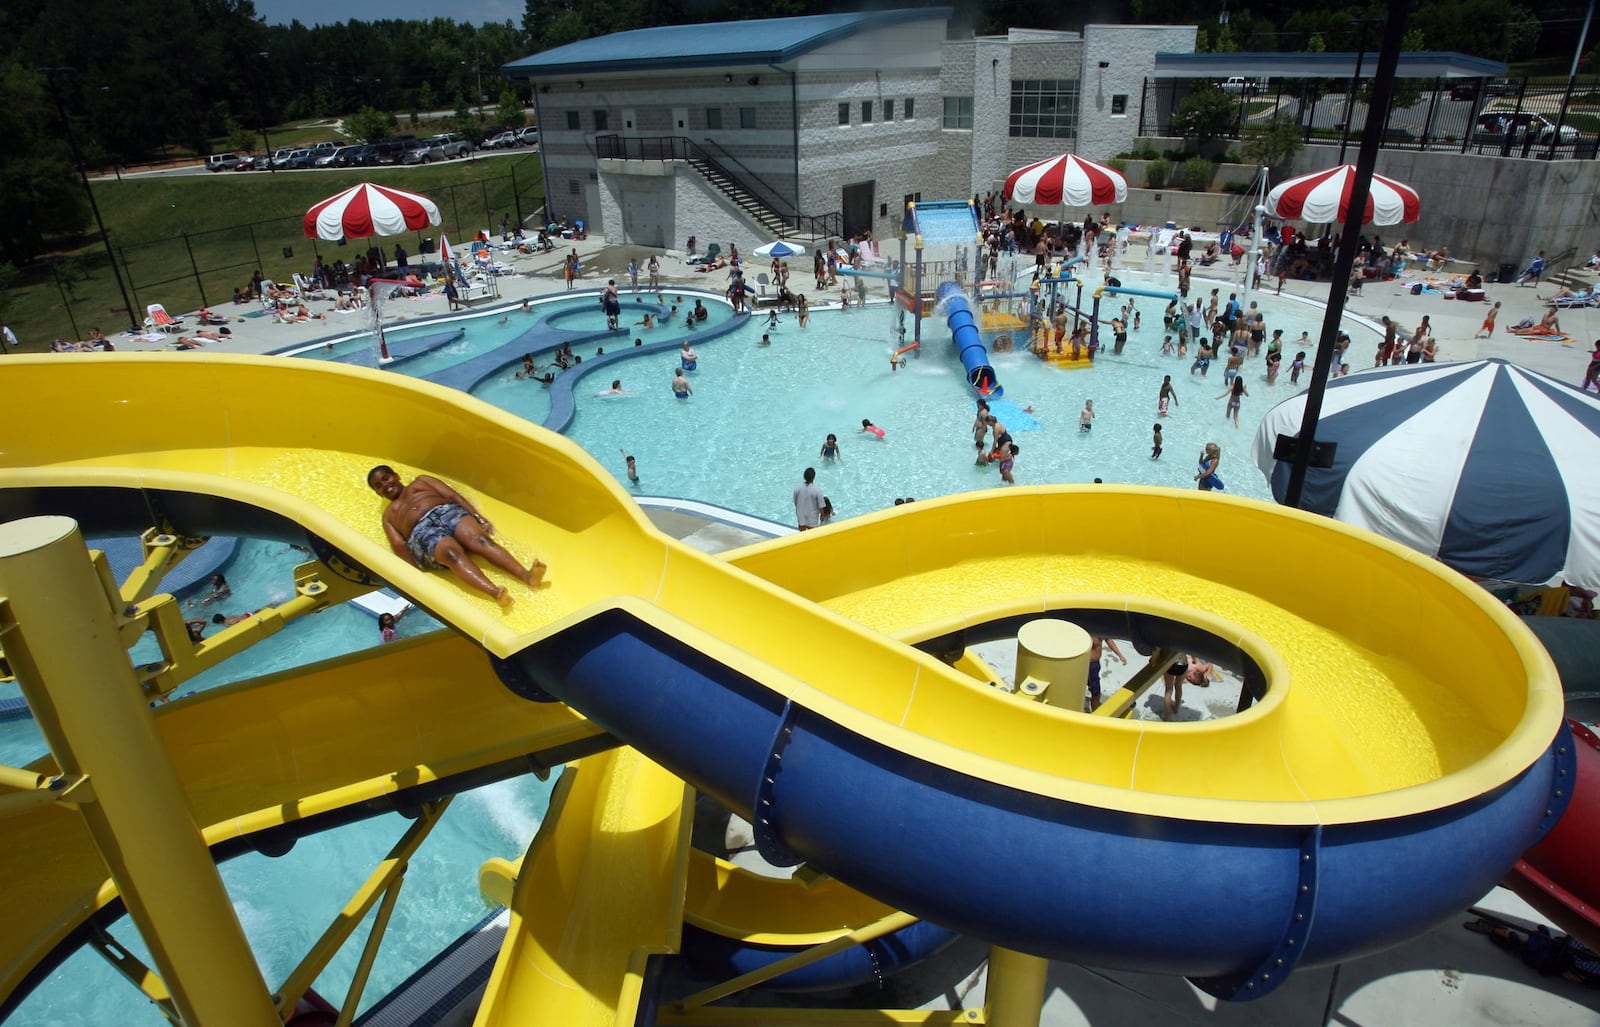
(204, 269)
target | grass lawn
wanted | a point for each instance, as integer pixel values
(228, 224)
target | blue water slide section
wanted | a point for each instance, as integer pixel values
(1234, 907)
(713, 957)
(1155, 294)
(969, 343)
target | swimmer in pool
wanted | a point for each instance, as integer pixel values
(869, 428)
(649, 321)
(680, 386)
(431, 525)
(830, 449)
(615, 390)
(633, 468)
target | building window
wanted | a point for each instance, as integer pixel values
(888, 110)
(572, 121)
(599, 121)
(574, 188)
(1044, 108)
(747, 117)
(844, 114)
(958, 112)
(866, 112)
(911, 108)
(1119, 104)
(713, 117)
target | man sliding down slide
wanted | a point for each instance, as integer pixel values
(431, 525)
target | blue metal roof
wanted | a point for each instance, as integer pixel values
(1413, 64)
(712, 45)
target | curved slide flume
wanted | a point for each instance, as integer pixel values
(1367, 796)
(969, 341)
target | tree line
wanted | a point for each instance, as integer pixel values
(135, 79)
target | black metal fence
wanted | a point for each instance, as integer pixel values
(1536, 118)
(204, 269)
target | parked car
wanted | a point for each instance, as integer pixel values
(246, 163)
(222, 161)
(386, 152)
(529, 136)
(323, 148)
(301, 158)
(491, 132)
(1494, 126)
(449, 144)
(1239, 84)
(339, 158)
(503, 141)
(419, 152)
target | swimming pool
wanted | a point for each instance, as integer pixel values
(759, 415)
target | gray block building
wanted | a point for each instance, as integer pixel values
(822, 125)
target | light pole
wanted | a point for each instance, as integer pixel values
(261, 117)
(83, 174)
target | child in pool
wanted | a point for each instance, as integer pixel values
(387, 623)
(772, 319)
(1155, 441)
(1086, 418)
(867, 427)
(1296, 367)
(826, 513)
(830, 449)
(633, 468)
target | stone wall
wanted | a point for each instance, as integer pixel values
(1130, 53)
(1489, 209)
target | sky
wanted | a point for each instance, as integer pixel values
(320, 12)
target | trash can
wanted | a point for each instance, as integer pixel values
(1507, 273)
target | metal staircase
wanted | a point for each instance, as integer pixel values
(759, 201)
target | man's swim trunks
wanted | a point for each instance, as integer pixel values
(435, 526)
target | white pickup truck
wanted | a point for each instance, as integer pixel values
(1239, 84)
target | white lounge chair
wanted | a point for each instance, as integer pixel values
(157, 319)
(308, 289)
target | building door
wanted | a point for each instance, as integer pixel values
(856, 207)
(680, 121)
(630, 121)
(644, 217)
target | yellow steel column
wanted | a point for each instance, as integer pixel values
(1015, 995)
(81, 687)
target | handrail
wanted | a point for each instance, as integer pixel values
(663, 148)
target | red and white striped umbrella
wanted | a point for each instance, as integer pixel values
(1067, 180)
(365, 210)
(1324, 196)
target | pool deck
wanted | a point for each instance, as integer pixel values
(539, 276)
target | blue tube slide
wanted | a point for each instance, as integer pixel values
(713, 956)
(1122, 290)
(969, 343)
(1234, 906)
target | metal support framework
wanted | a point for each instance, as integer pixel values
(383, 885)
(1120, 702)
(61, 638)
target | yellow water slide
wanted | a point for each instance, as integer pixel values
(784, 685)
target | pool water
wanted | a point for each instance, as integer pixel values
(759, 415)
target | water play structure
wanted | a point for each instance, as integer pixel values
(811, 684)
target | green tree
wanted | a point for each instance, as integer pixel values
(1273, 145)
(465, 122)
(1205, 114)
(370, 125)
(41, 197)
(426, 100)
(509, 112)
(240, 138)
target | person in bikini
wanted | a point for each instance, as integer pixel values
(431, 525)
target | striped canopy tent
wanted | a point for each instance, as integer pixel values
(1066, 180)
(1323, 197)
(366, 210)
(1483, 464)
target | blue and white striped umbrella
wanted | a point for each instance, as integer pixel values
(781, 248)
(1488, 466)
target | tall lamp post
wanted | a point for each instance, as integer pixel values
(83, 174)
(261, 119)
